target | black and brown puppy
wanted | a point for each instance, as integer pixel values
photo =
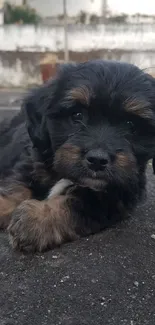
(93, 125)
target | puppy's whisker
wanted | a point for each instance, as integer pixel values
(83, 124)
(74, 133)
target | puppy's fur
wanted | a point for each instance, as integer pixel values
(93, 126)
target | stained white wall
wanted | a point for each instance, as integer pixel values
(131, 43)
(19, 71)
(1, 18)
(80, 38)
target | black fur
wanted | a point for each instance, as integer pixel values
(51, 136)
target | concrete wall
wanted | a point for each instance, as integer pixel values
(21, 48)
(21, 69)
(81, 38)
(1, 17)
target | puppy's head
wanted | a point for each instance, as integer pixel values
(96, 120)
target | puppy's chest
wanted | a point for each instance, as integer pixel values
(98, 204)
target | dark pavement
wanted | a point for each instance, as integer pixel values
(10, 97)
(105, 279)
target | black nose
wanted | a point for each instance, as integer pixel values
(97, 159)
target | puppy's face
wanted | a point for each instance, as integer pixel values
(101, 123)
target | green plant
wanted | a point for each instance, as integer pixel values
(118, 19)
(82, 17)
(94, 19)
(20, 15)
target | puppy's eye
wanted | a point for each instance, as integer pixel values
(131, 125)
(77, 117)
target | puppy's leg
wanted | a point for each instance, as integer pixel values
(11, 196)
(38, 225)
(60, 187)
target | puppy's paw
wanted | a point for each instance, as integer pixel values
(27, 230)
(60, 187)
(38, 226)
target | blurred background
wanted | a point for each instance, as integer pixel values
(37, 35)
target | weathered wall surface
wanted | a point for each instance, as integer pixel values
(80, 38)
(21, 69)
(21, 48)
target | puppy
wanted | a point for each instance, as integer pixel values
(92, 126)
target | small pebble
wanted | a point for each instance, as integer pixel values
(102, 299)
(64, 278)
(42, 257)
(136, 283)
(94, 280)
(153, 236)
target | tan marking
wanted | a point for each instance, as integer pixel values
(138, 107)
(125, 161)
(10, 200)
(81, 94)
(42, 224)
(67, 154)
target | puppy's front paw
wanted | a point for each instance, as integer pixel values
(26, 227)
(60, 187)
(37, 226)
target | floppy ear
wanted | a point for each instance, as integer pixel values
(35, 108)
